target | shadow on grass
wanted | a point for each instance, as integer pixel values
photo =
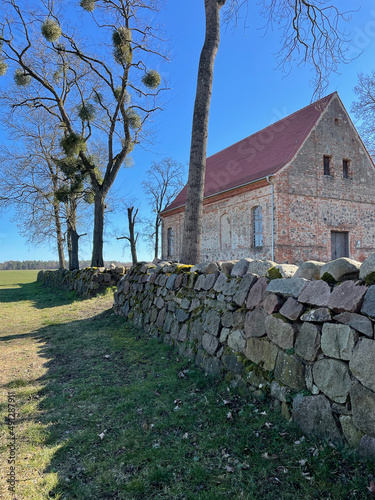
(41, 296)
(124, 417)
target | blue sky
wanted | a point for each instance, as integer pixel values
(249, 93)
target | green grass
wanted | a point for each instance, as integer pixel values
(104, 412)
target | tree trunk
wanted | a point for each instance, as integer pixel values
(157, 226)
(72, 235)
(132, 238)
(191, 242)
(97, 249)
(59, 236)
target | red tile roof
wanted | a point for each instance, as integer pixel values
(260, 154)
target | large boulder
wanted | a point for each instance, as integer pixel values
(362, 364)
(367, 270)
(347, 296)
(341, 269)
(310, 270)
(314, 416)
(290, 371)
(338, 341)
(282, 271)
(315, 293)
(332, 377)
(260, 267)
(288, 288)
(356, 321)
(240, 268)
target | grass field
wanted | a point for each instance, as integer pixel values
(103, 412)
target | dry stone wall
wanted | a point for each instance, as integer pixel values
(304, 335)
(86, 282)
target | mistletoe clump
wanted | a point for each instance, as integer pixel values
(88, 5)
(62, 194)
(117, 92)
(21, 78)
(151, 79)
(51, 30)
(135, 121)
(73, 144)
(86, 112)
(3, 68)
(121, 38)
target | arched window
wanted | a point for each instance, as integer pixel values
(170, 241)
(257, 222)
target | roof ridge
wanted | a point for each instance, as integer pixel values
(274, 123)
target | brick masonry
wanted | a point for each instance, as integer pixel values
(307, 204)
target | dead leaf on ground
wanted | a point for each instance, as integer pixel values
(371, 488)
(267, 456)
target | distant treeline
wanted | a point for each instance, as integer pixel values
(14, 265)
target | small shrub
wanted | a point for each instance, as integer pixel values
(21, 78)
(151, 79)
(87, 5)
(51, 30)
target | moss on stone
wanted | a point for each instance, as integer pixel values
(274, 273)
(328, 278)
(370, 279)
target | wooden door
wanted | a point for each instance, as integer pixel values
(339, 244)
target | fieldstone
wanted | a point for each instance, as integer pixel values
(181, 315)
(320, 315)
(255, 323)
(210, 343)
(332, 377)
(315, 293)
(199, 284)
(183, 333)
(262, 352)
(168, 323)
(280, 332)
(232, 363)
(292, 309)
(257, 294)
(212, 366)
(231, 287)
(363, 407)
(239, 319)
(178, 281)
(341, 269)
(195, 303)
(171, 306)
(175, 330)
(313, 415)
(159, 302)
(161, 317)
(289, 288)
(185, 303)
(260, 267)
(279, 392)
(290, 371)
(220, 282)
(362, 364)
(240, 268)
(246, 283)
(197, 331)
(310, 270)
(170, 281)
(205, 267)
(338, 341)
(367, 267)
(273, 303)
(236, 341)
(286, 270)
(347, 296)
(227, 319)
(224, 334)
(366, 447)
(212, 322)
(369, 302)
(308, 341)
(227, 266)
(356, 321)
(352, 435)
(210, 281)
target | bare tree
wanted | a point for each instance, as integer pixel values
(108, 93)
(364, 109)
(165, 180)
(311, 34)
(132, 236)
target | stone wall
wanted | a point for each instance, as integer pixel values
(87, 282)
(304, 335)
